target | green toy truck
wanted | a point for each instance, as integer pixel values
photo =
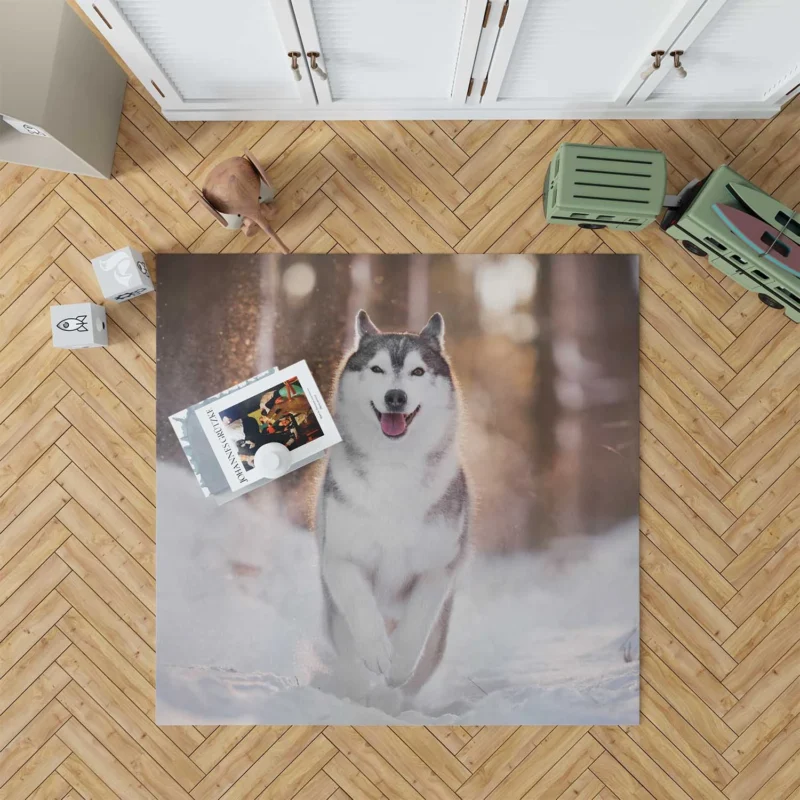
(593, 186)
(605, 187)
(702, 232)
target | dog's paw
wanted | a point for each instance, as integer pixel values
(390, 701)
(401, 670)
(376, 652)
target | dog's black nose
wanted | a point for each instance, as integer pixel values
(395, 399)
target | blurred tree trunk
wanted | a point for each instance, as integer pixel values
(298, 335)
(593, 346)
(545, 406)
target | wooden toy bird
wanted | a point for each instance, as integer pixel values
(238, 194)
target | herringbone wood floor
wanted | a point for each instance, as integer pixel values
(720, 467)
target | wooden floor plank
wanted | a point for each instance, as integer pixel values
(277, 140)
(347, 776)
(108, 660)
(644, 768)
(12, 176)
(143, 152)
(24, 529)
(31, 702)
(114, 557)
(30, 267)
(31, 629)
(102, 769)
(720, 469)
(209, 135)
(238, 760)
(502, 763)
(34, 736)
(681, 733)
(419, 161)
(24, 447)
(30, 230)
(32, 192)
(386, 200)
(665, 655)
(109, 516)
(437, 143)
(126, 749)
(112, 591)
(685, 449)
(618, 781)
(37, 769)
(501, 192)
(159, 131)
(476, 133)
(152, 197)
(760, 602)
(278, 757)
(112, 627)
(391, 170)
(675, 583)
(299, 153)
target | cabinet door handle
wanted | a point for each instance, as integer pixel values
(100, 14)
(676, 59)
(657, 56)
(294, 55)
(313, 56)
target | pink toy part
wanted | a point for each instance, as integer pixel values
(764, 239)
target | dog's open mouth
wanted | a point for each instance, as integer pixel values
(394, 424)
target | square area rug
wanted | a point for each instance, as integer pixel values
(468, 554)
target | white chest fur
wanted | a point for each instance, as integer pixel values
(383, 523)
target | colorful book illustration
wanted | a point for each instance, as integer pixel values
(222, 434)
(768, 209)
(761, 237)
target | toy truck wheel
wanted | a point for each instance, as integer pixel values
(592, 226)
(769, 301)
(693, 248)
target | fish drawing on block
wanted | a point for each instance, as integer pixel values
(77, 324)
(764, 239)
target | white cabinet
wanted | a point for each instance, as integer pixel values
(204, 54)
(340, 59)
(416, 53)
(595, 63)
(743, 52)
(739, 58)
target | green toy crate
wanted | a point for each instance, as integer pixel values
(605, 187)
(697, 226)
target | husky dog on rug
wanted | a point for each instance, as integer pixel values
(394, 507)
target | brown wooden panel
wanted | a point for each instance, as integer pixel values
(720, 471)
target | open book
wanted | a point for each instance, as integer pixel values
(221, 435)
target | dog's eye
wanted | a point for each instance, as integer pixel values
(377, 369)
(418, 371)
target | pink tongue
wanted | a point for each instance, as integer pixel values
(393, 424)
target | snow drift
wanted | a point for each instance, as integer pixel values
(538, 638)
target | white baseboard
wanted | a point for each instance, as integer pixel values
(649, 111)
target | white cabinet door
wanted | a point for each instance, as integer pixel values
(747, 51)
(579, 54)
(218, 56)
(414, 54)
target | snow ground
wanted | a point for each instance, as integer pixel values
(544, 638)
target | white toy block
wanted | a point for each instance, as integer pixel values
(122, 274)
(79, 325)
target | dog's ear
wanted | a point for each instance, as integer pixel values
(433, 332)
(364, 326)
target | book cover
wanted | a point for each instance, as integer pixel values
(221, 435)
